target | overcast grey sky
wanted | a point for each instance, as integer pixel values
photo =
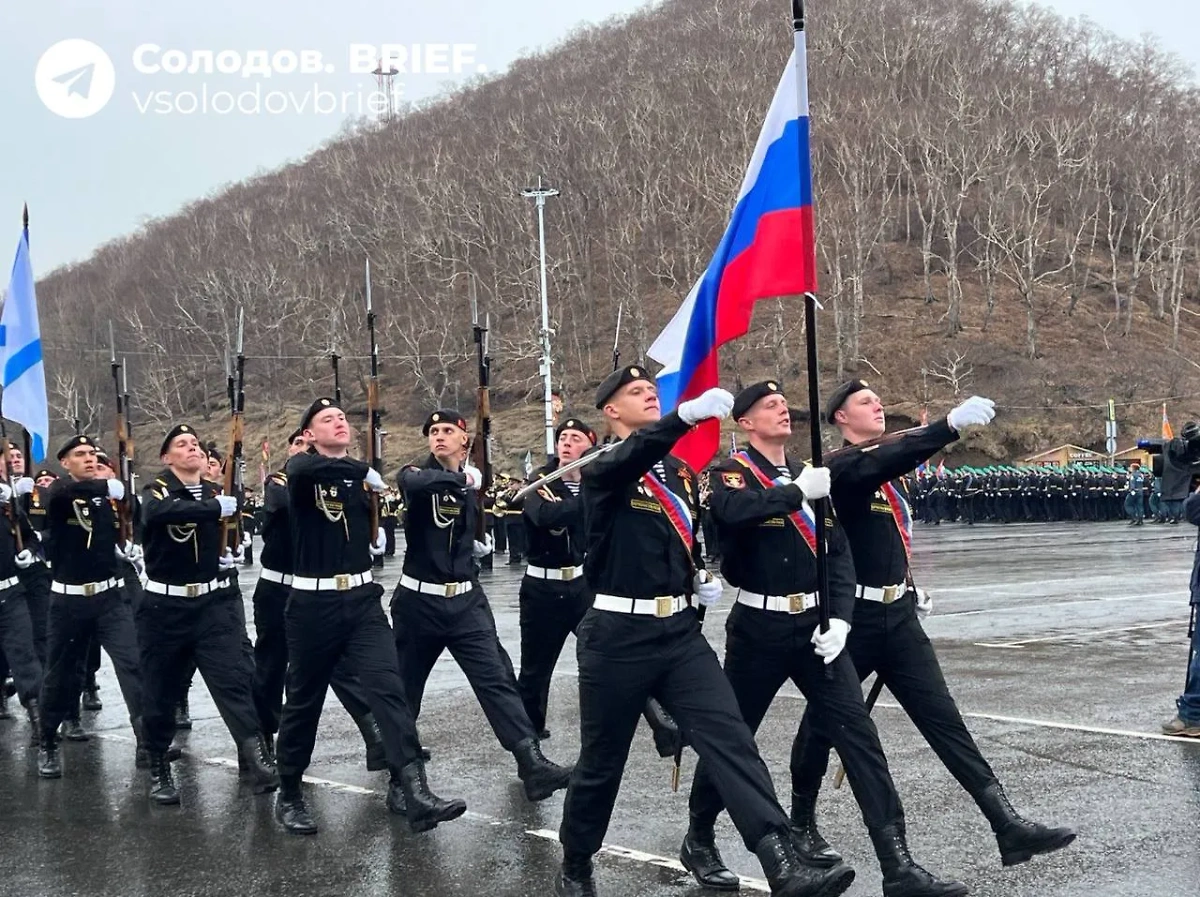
(89, 180)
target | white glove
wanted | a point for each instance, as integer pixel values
(133, 552)
(23, 485)
(814, 482)
(830, 644)
(247, 540)
(228, 504)
(116, 490)
(120, 552)
(6, 493)
(24, 559)
(227, 561)
(482, 549)
(975, 411)
(707, 589)
(378, 546)
(715, 402)
(374, 480)
(474, 476)
(924, 604)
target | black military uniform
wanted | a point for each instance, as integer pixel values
(770, 537)
(36, 577)
(16, 628)
(887, 637)
(438, 606)
(333, 613)
(270, 645)
(641, 639)
(554, 594)
(389, 517)
(182, 618)
(86, 600)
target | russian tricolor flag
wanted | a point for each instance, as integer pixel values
(768, 250)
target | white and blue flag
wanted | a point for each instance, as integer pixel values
(23, 373)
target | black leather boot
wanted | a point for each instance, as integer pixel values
(292, 813)
(91, 695)
(540, 776)
(811, 846)
(376, 756)
(1018, 838)
(788, 877)
(395, 801)
(902, 877)
(5, 713)
(667, 737)
(575, 879)
(260, 765)
(49, 758)
(183, 714)
(72, 731)
(700, 857)
(423, 808)
(162, 785)
(35, 722)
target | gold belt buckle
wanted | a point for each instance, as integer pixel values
(663, 606)
(89, 589)
(795, 604)
(566, 573)
(192, 590)
(889, 594)
(341, 582)
(451, 589)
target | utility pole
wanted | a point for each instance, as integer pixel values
(539, 194)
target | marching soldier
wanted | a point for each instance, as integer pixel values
(270, 645)
(86, 597)
(887, 637)
(641, 638)
(16, 628)
(760, 503)
(333, 614)
(439, 606)
(389, 515)
(35, 577)
(182, 616)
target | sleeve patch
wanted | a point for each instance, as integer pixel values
(733, 480)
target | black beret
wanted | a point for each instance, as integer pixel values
(574, 423)
(843, 392)
(46, 473)
(444, 416)
(316, 408)
(176, 431)
(74, 443)
(619, 378)
(299, 431)
(747, 397)
(102, 458)
(212, 453)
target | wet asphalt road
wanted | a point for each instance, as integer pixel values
(1064, 644)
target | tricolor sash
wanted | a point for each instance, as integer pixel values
(901, 514)
(802, 519)
(675, 507)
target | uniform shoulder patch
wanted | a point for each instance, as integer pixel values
(161, 482)
(733, 479)
(279, 477)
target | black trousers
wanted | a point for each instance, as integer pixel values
(763, 649)
(74, 619)
(427, 625)
(36, 580)
(517, 541)
(230, 591)
(208, 631)
(323, 630)
(16, 635)
(550, 610)
(887, 639)
(500, 532)
(389, 536)
(271, 660)
(625, 659)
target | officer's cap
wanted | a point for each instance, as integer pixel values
(618, 378)
(176, 431)
(73, 443)
(841, 394)
(316, 408)
(444, 416)
(747, 397)
(574, 423)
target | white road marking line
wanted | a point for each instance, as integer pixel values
(1088, 633)
(1026, 608)
(1171, 575)
(652, 859)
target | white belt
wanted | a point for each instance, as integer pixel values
(444, 589)
(87, 588)
(786, 604)
(566, 574)
(885, 595)
(341, 582)
(9, 583)
(190, 590)
(660, 606)
(276, 576)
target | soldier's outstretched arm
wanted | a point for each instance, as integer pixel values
(636, 454)
(415, 481)
(160, 507)
(867, 470)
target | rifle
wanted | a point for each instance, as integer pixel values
(1187, 679)
(234, 477)
(481, 447)
(10, 510)
(124, 468)
(333, 361)
(373, 415)
(608, 433)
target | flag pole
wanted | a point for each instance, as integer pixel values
(26, 441)
(810, 343)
